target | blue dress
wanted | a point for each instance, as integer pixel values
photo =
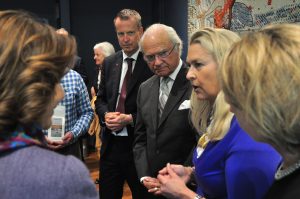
(235, 167)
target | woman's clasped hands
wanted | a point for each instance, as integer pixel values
(173, 179)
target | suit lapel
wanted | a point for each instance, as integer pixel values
(154, 90)
(137, 72)
(117, 69)
(177, 92)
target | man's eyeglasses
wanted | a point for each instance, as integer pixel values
(161, 55)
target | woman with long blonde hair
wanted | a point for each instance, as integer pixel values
(227, 162)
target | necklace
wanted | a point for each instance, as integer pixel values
(281, 173)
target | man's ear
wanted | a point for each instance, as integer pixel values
(141, 30)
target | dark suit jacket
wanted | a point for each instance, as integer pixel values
(170, 139)
(109, 87)
(80, 68)
(95, 79)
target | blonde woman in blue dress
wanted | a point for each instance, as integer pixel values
(228, 164)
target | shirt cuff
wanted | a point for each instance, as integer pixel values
(143, 178)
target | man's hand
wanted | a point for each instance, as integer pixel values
(55, 145)
(116, 121)
(93, 92)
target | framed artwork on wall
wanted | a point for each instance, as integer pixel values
(241, 15)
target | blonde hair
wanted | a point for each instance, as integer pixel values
(261, 77)
(216, 42)
(33, 59)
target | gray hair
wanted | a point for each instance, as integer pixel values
(106, 47)
(172, 35)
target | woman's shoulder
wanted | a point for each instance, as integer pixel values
(237, 136)
(43, 169)
(45, 161)
(240, 143)
(53, 161)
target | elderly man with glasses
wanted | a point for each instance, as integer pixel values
(162, 132)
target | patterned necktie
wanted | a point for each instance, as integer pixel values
(164, 92)
(121, 104)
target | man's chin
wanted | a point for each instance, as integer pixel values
(161, 73)
(127, 48)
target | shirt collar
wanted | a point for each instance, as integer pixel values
(134, 56)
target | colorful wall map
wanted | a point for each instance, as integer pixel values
(241, 15)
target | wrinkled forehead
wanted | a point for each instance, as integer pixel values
(128, 21)
(154, 43)
(98, 51)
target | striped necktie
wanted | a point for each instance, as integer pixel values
(164, 92)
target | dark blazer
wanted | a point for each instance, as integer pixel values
(109, 87)
(79, 67)
(94, 82)
(168, 139)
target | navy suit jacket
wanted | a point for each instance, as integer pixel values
(109, 90)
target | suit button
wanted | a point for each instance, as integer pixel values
(157, 151)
